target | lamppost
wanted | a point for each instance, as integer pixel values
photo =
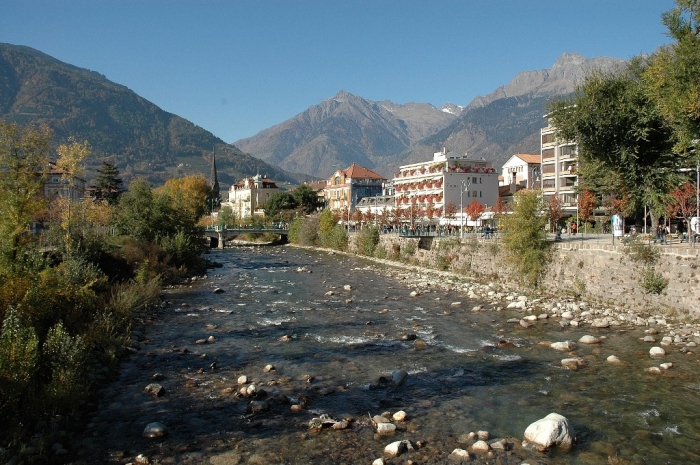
(465, 186)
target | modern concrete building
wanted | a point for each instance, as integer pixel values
(559, 163)
(436, 190)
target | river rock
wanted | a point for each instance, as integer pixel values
(398, 447)
(567, 315)
(399, 377)
(415, 293)
(386, 428)
(460, 454)
(666, 366)
(573, 363)
(613, 359)
(259, 406)
(657, 352)
(155, 430)
(654, 370)
(399, 416)
(330, 293)
(564, 346)
(483, 435)
(553, 430)
(347, 287)
(420, 344)
(243, 379)
(154, 389)
(378, 462)
(588, 339)
(218, 290)
(480, 447)
(525, 324)
(269, 368)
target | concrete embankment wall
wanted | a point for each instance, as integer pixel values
(593, 270)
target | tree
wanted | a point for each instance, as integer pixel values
(524, 236)
(187, 196)
(672, 75)
(587, 202)
(306, 198)
(278, 202)
(143, 215)
(554, 210)
(226, 216)
(24, 167)
(682, 202)
(474, 210)
(622, 137)
(108, 184)
(450, 211)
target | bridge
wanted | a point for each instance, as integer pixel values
(219, 235)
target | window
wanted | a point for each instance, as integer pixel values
(568, 150)
(547, 138)
(548, 169)
(547, 153)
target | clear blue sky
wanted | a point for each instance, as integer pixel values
(237, 67)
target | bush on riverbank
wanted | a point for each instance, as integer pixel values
(70, 293)
(321, 231)
(524, 238)
(366, 241)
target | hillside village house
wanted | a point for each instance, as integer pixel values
(61, 184)
(346, 187)
(425, 191)
(522, 171)
(248, 196)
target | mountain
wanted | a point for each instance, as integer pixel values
(346, 129)
(384, 135)
(122, 127)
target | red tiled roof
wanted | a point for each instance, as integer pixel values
(529, 158)
(360, 172)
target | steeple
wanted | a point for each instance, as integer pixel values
(214, 178)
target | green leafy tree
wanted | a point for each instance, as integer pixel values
(24, 165)
(622, 136)
(306, 198)
(524, 237)
(108, 185)
(672, 76)
(226, 216)
(279, 202)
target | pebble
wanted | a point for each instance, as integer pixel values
(155, 430)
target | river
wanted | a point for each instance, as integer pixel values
(332, 354)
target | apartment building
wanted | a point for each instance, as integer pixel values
(559, 163)
(427, 189)
(522, 171)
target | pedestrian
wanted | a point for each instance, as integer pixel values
(661, 234)
(574, 227)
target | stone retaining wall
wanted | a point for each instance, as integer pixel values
(602, 272)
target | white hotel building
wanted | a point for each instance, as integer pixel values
(430, 187)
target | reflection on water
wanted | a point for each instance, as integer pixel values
(330, 351)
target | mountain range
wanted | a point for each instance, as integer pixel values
(123, 128)
(144, 140)
(383, 135)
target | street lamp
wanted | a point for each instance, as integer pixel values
(465, 186)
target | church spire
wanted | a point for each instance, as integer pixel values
(214, 178)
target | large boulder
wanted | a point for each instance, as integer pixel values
(553, 430)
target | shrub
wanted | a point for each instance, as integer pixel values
(19, 354)
(367, 241)
(653, 282)
(64, 358)
(640, 251)
(524, 237)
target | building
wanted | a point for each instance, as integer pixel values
(248, 196)
(347, 187)
(438, 190)
(522, 170)
(376, 208)
(59, 183)
(559, 163)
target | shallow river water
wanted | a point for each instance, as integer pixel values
(331, 353)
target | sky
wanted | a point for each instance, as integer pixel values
(240, 66)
